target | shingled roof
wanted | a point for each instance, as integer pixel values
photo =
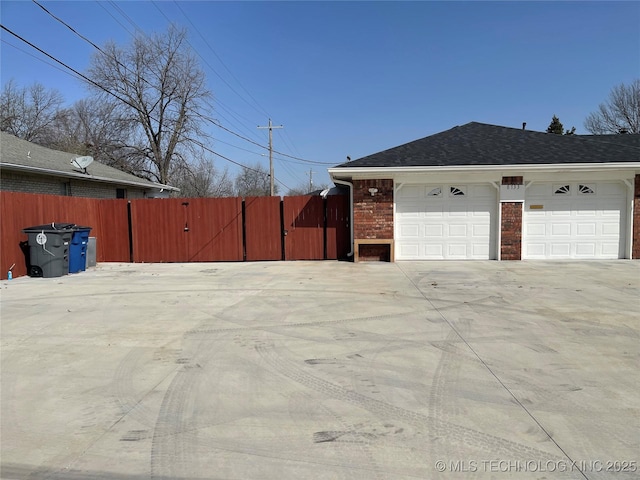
(476, 144)
(21, 155)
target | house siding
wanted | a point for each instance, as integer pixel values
(25, 183)
(373, 214)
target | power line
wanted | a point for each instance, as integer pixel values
(235, 115)
(294, 159)
(204, 147)
(66, 66)
(207, 63)
(95, 46)
(127, 17)
(220, 59)
(266, 148)
(39, 59)
(204, 60)
(87, 79)
(239, 83)
(116, 20)
(68, 26)
(90, 42)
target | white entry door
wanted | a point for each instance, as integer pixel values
(574, 220)
(445, 221)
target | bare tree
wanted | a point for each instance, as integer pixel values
(619, 114)
(254, 182)
(29, 112)
(96, 129)
(161, 89)
(202, 180)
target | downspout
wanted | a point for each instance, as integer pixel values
(350, 185)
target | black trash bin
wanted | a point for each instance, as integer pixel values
(49, 249)
(78, 249)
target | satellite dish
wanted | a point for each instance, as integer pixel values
(82, 162)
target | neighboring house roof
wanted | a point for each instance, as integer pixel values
(20, 155)
(478, 144)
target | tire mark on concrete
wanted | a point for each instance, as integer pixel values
(492, 372)
(399, 438)
(433, 427)
(171, 454)
(299, 403)
(200, 331)
(442, 398)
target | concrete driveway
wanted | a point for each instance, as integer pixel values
(323, 370)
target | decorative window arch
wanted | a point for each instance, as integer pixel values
(586, 189)
(457, 191)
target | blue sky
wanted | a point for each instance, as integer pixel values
(355, 78)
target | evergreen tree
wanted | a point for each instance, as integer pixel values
(555, 126)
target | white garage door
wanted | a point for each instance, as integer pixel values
(435, 222)
(574, 220)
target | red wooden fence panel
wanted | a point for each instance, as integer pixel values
(182, 230)
(18, 210)
(112, 231)
(215, 229)
(187, 229)
(338, 230)
(21, 210)
(158, 230)
(263, 232)
(304, 223)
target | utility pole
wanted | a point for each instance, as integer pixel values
(271, 127)
(311, 172)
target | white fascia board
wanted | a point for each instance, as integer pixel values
(363, 173)
(82, 176)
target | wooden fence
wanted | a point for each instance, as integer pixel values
(183, 229)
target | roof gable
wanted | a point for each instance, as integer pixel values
(477, 144)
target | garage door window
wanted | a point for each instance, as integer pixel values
(456, 191)
(586, 189)
(435, 192)
(562, 189)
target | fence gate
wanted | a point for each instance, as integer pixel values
(304, 228)
(185, 229)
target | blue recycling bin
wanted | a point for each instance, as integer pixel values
(78, 249)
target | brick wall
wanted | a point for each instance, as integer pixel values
(635, 249)
(25, 183)
(511, 225)
(373, 215)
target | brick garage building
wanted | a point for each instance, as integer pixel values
(482, 191)
(30, 168)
